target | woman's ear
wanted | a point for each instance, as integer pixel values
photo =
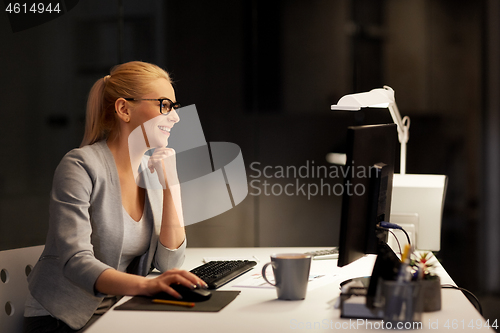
(122, 109)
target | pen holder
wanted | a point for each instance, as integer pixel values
(403, 302)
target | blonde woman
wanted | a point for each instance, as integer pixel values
(106, 232)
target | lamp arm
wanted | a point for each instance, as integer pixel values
(403, 126)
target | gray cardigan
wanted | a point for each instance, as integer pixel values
(85, 235)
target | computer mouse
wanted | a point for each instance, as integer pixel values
(192, 295)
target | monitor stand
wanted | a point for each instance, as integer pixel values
(386, 267)
(364, 280)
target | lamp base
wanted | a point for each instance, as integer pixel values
(422, 195)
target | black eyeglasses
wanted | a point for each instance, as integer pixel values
(166, 105)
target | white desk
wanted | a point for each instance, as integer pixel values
(258, 310)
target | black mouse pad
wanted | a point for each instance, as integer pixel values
(216, 303)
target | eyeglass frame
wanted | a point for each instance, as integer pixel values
(173, 105)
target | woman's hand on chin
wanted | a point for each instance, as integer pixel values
(163, 161)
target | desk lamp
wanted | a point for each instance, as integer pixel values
(380, 98)
(417, 200)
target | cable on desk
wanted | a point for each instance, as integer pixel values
(467, 293)
(407, 237)
(388, 225)
(397, 241)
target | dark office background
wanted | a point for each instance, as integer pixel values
(263, 75)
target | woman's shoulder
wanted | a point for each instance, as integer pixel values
(91, 158)
(89, 152)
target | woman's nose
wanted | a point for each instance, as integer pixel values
(173, 116)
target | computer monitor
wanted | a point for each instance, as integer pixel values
(367, 190)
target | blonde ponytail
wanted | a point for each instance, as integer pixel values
(128, 80)
(93, 130)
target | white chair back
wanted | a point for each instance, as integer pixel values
(15, 265)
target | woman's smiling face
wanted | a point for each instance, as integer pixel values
(156, 125)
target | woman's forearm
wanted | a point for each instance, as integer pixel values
(113, 282)
(172, 233)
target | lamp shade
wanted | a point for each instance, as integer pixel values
(376, 98)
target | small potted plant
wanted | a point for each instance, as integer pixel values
(423, 265)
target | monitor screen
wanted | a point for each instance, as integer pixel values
(367, 193)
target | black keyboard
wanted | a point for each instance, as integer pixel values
(218, 273)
